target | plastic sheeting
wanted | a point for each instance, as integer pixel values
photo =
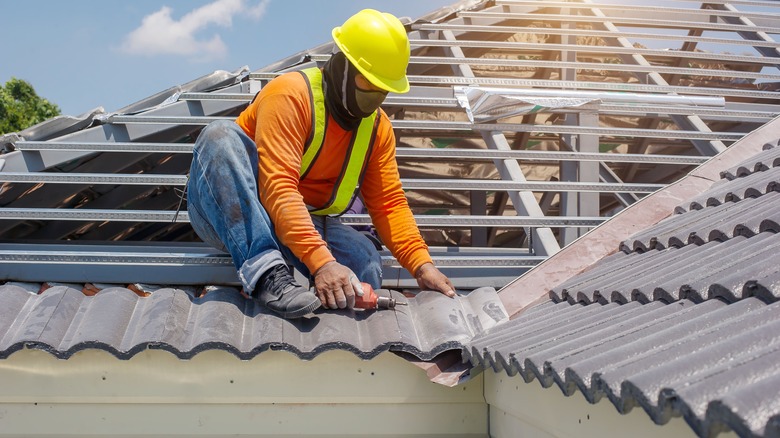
(488, 104)
(484, 105)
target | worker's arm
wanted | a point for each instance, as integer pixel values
(392, 217)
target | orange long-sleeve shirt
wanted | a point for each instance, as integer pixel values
(280, 122)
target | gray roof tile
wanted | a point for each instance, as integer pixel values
(750, 186)
(734, 269)
(63, 320)
(726, 247)
(682, 320)
(722, 222)
(706, 361)
(767, 159)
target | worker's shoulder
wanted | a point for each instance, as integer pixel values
(384, 121)
(289, 83)
(290, 77)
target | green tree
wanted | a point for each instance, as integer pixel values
(21, 107)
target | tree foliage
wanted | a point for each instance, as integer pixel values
(21, 107)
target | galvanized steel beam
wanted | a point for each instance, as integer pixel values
(580, 65)
(579, 85)
(401, 152)
(105, 146)
(495, 28)
(763, 3)
(391, 100)
(642, 68)
(657, 23)
(167, 216)
(584, 85)
(707, 56)
(530, 155)
(410, 184)
(638, 109)
(92, 178)
(200, 265)
(466, 126)
(634, 8)
(562, 129)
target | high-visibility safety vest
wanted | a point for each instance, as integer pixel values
(354, 166)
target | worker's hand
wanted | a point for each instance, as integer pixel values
(336, 286)
(429, 277)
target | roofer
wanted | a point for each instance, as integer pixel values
(307, 141)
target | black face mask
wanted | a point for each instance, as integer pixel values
(347, 103)
(369, 101)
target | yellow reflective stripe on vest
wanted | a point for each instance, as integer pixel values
(312, 147)
(345, 186)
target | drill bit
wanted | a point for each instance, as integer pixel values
(370, 300)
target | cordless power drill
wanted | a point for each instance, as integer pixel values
(370, 300)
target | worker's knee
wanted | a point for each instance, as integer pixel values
(215, 132)
(221, 141)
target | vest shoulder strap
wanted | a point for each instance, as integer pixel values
(319, 118)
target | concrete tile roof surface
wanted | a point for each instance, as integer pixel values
(63, 320)
(723, 244)
(682, 320)
(715, 364)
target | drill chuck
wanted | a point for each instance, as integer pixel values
(385, 303)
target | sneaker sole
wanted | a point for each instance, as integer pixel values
(302, 311)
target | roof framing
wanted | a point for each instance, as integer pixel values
(525, 182)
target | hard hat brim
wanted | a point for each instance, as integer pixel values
(398, 86)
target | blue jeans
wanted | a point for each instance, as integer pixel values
(226, 213)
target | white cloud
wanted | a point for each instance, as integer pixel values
(160, 34)
(258, 10)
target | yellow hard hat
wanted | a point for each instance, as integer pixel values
(377, 45)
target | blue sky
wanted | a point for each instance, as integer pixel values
(88, 53)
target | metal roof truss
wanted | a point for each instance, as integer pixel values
(494, 197)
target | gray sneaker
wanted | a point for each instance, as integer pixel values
(278, 291)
